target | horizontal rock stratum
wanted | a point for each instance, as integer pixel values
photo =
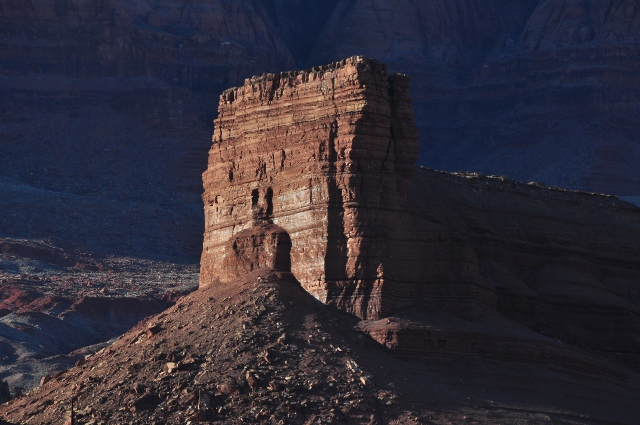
(514, 302)
(327, 155)
(319, 163)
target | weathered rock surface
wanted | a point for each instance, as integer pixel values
(264, 246)
(563, 263)
(104, 124)
(299, 23)
(452, 33)
(103, 106)
(105, 113)
(493, 283)
(325, 155)
(256, 350)
(110, 102)
(117, 38)
(261, 350)
(113, 99)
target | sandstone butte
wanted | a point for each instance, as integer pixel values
(513, 302)
(323, 158)
(319, 163)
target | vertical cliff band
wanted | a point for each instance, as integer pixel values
(326, 155)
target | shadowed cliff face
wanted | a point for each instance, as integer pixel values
(111, 103)
(105, 122)
(557, 24)
(183, 43)
(299, 23)
(452, 33)
(536, 90)
(116, 99)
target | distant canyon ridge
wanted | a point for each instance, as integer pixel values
(115, 100)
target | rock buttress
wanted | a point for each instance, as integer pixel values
(325, 154)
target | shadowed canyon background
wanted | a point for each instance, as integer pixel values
(115, 99)
(107, 109)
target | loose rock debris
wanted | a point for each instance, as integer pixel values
(278, 358)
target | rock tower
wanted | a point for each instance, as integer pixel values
(318, 162)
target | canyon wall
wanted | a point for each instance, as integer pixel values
(562, 263)
(201, 45)
(537, 90)
(115, 99)
(112, 102)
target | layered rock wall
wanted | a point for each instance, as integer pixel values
(564, 264)
(327, 155)
(312, 172)
(538, 90)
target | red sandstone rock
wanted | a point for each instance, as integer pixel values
(326, 154)
(265, 247)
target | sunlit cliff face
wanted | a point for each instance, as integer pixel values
(326, 155)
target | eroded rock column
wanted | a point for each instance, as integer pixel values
(326, 155)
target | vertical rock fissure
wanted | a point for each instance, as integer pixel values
(335, 257)
(274, 87)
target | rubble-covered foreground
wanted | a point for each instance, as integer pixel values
(261, 350)
(58, 304)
